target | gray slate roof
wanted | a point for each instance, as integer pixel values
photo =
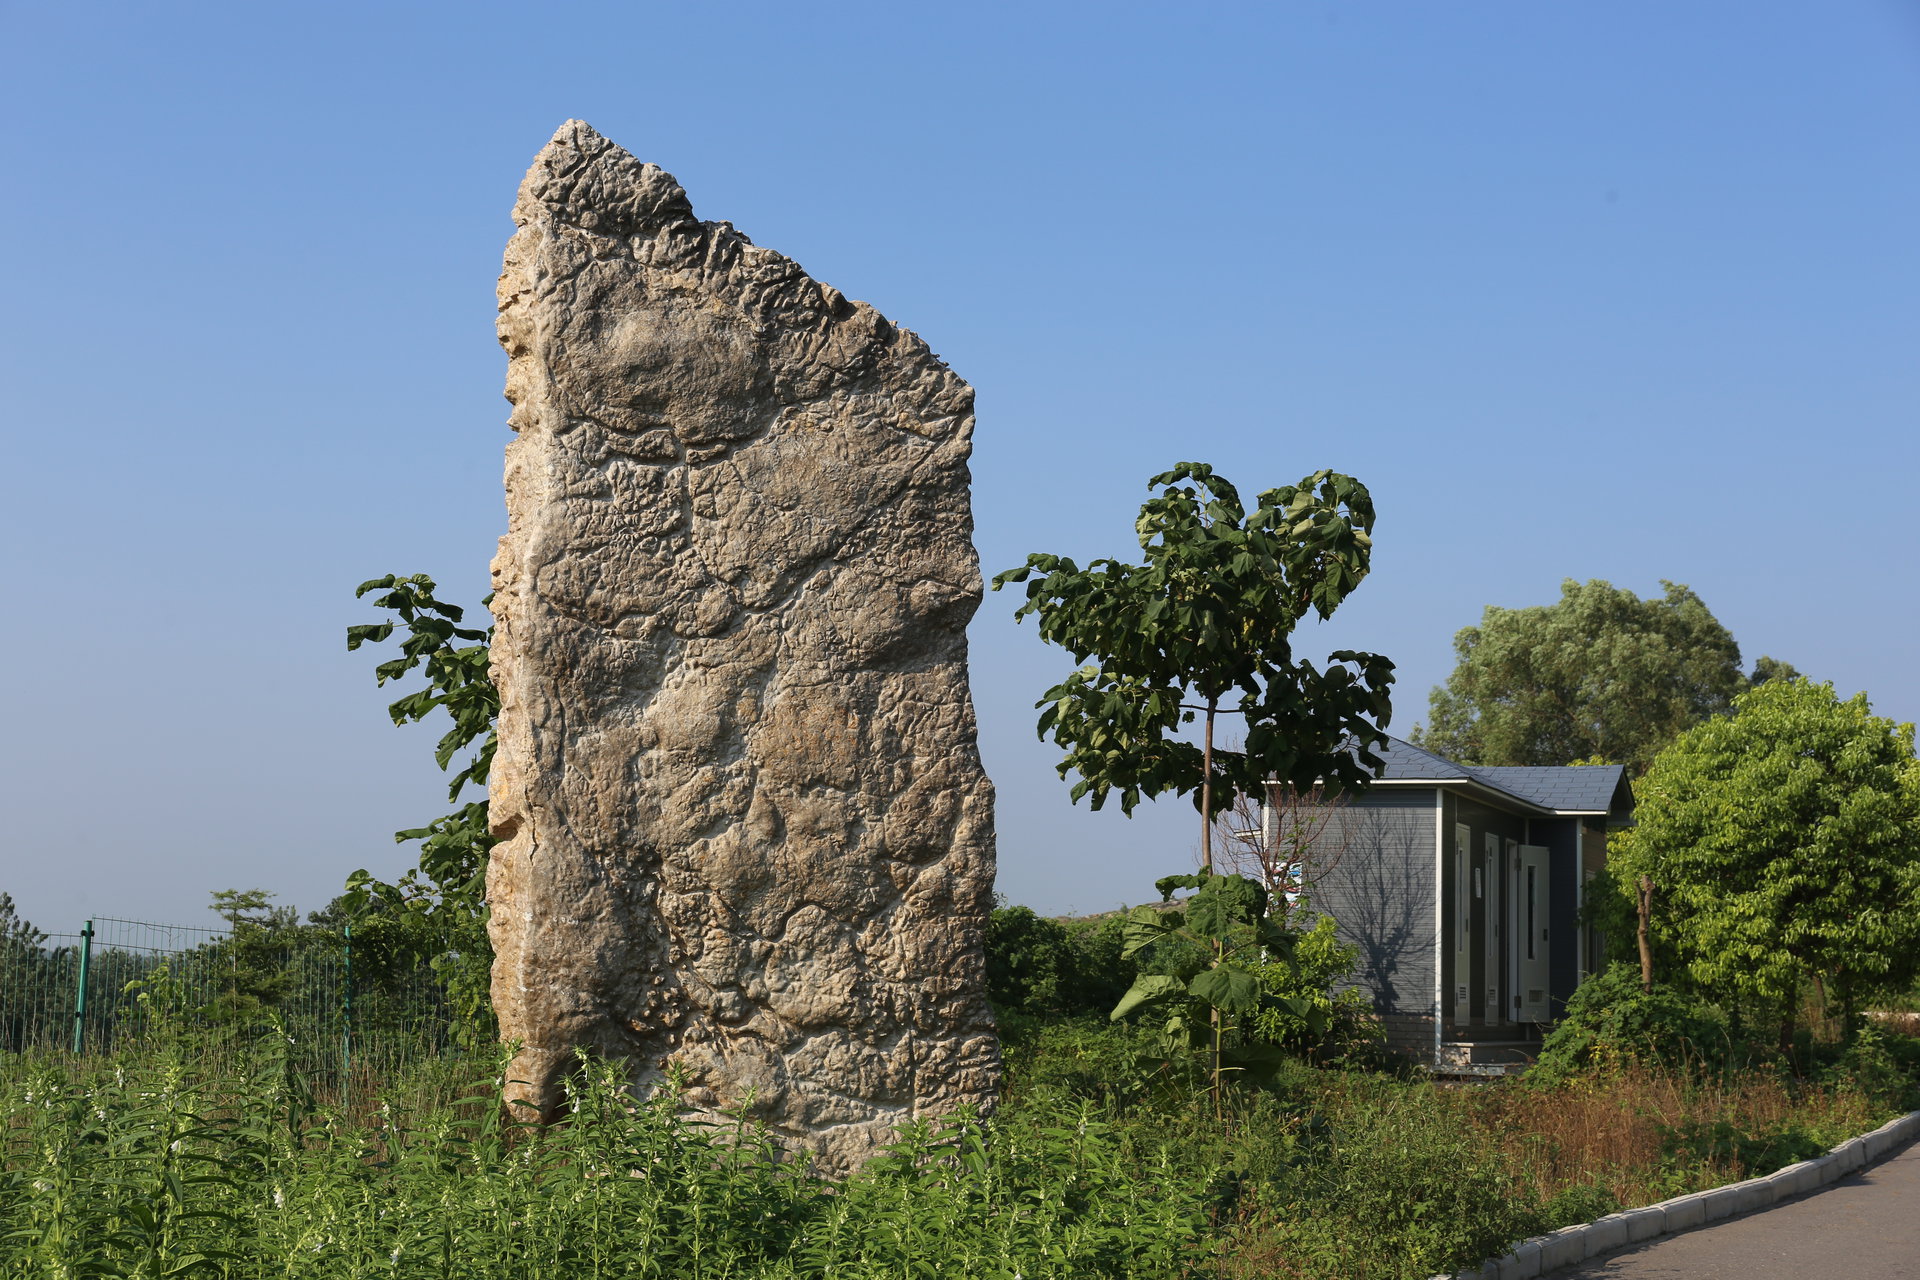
(1405, 762)
(1585, 787)
(1570, 788)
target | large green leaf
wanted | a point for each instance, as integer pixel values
(1226, 903)
(1257, 1062)
(1148, 988)
(1165, 885)
(1278, 940)
(1227, 989)
(1145, 926)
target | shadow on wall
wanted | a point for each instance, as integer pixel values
(1380, 894)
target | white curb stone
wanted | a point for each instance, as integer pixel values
(1563, 1248)
(1719, 1204)
(1645, 1224)
(1523, 1263)
(1570, 1245)
(1753, 1194)
(1684, 1213)
(1795, 1179)
(1604, 1236)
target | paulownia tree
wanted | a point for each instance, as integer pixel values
(1204, 628)
(1782, 843)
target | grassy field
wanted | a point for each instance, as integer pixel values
(158, 1162)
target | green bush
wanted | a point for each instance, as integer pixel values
(1756, 1152)
(1043, 968)
(1087, 1059)
(1582, 1202)
(1610, 1019)
(1404, 1189)
(1310, 1018)
(1881, 1066)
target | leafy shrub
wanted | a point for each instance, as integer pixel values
(1089, 1059)
(1043, 968)
(1610, 1020)
(1880, 1066)
(1307, 1016)
(1722, 1143)
(1581, 1202)
(1404, 1189)
(1199, 959)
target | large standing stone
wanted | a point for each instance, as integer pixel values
(746, 834)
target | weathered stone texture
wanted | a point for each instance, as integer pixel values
(745, 829)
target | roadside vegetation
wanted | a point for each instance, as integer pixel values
(1190, 1089)
(1108, 1157)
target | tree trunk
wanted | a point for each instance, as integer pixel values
(1206, 856)
(1646, 947)
(1206, 792)
(1843, 995)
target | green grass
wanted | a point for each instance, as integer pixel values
(151, 1169)
(158, 1163)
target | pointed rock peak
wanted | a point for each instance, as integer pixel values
(578, 132)
(581, 179)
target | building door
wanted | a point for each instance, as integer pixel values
(1462, 920)
(1495, 865)
(1529, 934)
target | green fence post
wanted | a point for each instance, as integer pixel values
(80, 987)
(346, 1012)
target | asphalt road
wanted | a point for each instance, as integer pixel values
(1866, 1227)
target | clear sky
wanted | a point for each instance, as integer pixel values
(1612, 289)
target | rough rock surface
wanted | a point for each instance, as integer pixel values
(746, 834)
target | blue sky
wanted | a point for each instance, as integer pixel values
(1617, 290)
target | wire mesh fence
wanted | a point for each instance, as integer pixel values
(119, 982)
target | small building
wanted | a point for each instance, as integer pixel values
(1461, 886)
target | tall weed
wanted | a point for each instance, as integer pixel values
(1643, 1133)
(156, 1171)
(1401, 1185)
(1097, 1165)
